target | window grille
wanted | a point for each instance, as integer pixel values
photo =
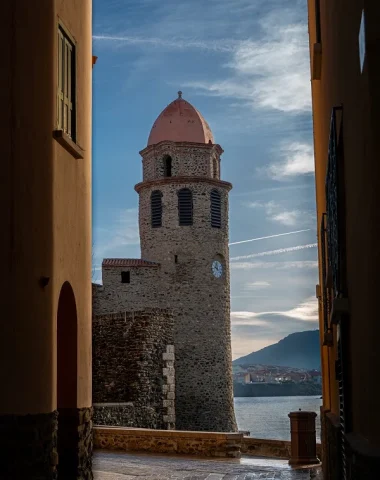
(216, 209)
(156, 208)
(185, 207)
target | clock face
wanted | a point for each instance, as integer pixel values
(217, 269)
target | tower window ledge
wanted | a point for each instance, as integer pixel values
(340, 309)
(68, 144)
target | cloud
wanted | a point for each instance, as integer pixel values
(252, 331)
(298, 264)
(261, 191)
(272, 73)
(269, 236)
(267, 66)
(246, 318)
(276, 213)
(298, 159)
(258, 285)
(275, 252)
(306, 311)
(172, 43)
(288, 218)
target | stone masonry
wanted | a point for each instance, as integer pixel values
(47, 446)
(176, 273)
(133, 369)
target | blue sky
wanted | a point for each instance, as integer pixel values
(244, 64)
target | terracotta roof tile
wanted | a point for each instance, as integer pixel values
(128, 262)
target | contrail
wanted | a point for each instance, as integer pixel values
(177, 43)
(270, 236)
(275, 252)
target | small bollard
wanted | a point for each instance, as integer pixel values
(303, 438)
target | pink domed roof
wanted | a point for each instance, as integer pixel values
(180, 122)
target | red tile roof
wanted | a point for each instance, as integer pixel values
(128, 262)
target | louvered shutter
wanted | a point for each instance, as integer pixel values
(185, 207)
(66, 84)
(216, 209)
(156, 208)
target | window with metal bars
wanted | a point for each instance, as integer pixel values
(185, 207)
(215, 209)
(156, 208)
(167, 166)
(66, 114)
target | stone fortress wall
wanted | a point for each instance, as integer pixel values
(143, 290)
(133, 369)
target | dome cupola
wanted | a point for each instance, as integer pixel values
(180, 122)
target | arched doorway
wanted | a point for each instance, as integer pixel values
(67, 365)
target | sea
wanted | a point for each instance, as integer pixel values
(267, 417)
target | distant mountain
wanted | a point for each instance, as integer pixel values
(298, 350)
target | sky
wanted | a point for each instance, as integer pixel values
(244, 65)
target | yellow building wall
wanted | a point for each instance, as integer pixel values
(321, 129)
(46, 203)
(72, 194)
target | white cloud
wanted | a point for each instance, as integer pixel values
(247, 318)
(172, 43)
(272, 73)
(298, 159)
(275, 252)
(258, 285)
(288, 218)
(305, 311)
(298, 264)
(276, 213)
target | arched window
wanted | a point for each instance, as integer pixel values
(167, 166)
(156, 208)
(185, 207)
(215, 209)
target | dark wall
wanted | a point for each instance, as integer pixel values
(128, 364)
(343, 83)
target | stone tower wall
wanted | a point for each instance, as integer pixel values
(133, 369)
(200, 302)
(143, 291)
(188, 159)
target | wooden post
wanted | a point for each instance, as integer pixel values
(303, 438)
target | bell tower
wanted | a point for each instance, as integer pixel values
(183, 220)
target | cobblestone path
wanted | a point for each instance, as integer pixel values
(126, 466)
